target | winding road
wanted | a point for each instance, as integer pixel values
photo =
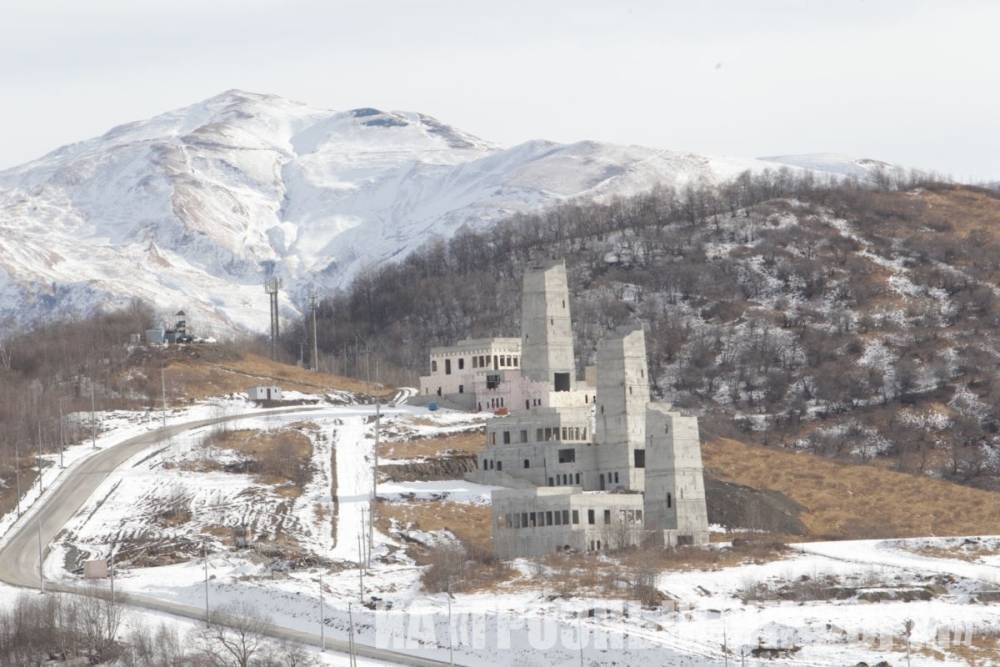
(19, 557)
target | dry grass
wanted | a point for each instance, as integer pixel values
(202, 377)
(631, 574)
(980, 649)
(471, 442)
(469, 523)
(8, 487)
(847, 501)
(741, 552)
(277, 458)
(963, 209)
(467, 567)
(970, 552)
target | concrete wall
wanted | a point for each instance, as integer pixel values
(535, 522)
(461, 365)
(533, 446)
(675, 485)
(546, 328)
(622, 396)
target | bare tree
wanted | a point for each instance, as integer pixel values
(100, 620)
(235, 636)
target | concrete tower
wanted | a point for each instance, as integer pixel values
(674, 502)
(546, 328)
(622, 396)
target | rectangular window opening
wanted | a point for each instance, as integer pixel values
(640, 458)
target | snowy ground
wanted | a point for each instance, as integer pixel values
(839, 602)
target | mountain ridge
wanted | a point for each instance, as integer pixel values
(203, 202)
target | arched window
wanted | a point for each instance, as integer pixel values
(527, 463)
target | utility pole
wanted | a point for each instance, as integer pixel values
(315, 350)
(112, 565)
(322, 622)
(38, 460)
(361, 573)
(62, 434)
(163, 393)
(17, 476)
(204, 555)
(371, 512)
(725, 645)
(41, 561)
(272, 286)
(93, 417)
(350, 637)
(579, 632)
(364, 530)
(451, 642)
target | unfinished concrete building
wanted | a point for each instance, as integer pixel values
(587, 470)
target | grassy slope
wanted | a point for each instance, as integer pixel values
(204, 377)
(846, 501)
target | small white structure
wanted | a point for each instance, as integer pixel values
(156, 336)
(95, 569)
(264, 392)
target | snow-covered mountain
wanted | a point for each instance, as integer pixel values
(195, 207)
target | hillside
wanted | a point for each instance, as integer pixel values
(66, 367)
(855, 322)
(202, 203)
(843, 501)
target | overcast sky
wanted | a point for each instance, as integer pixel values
(916, 83)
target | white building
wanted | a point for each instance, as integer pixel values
(458, 371)
(536, 370)
(587, 470)
(264, 392)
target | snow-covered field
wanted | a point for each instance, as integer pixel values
(833, 603)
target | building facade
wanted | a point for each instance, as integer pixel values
(474, 371)
(587, 469)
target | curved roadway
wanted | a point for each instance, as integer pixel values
(19, 557)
